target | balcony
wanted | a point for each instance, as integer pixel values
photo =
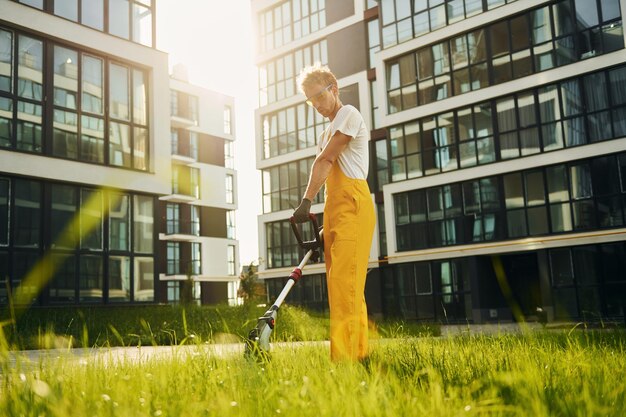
(178, 269)
(180, 231)
(184, 152)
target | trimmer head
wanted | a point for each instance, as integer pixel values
(258, 342)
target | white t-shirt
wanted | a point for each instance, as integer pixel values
(354, 160)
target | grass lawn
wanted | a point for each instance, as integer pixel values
(564, 373)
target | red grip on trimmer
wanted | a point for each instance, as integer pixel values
(296, 274)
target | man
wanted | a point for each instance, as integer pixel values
(342, 165)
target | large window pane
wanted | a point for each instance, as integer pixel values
(92, 139)
(30, 68)
(119, 101)
(140, 149)
(4, 211)
(139, 98)
(119, 278)
(143, 219)
(92, 84)
(27, 213)
(6, 60)
(557, 184)
(67, 9)
(29, 130)
(119, 222)
(63, 224)
(63, 282)
(119, 18)
(144, 279)
(119, 144)
(580, 178)
(91, 206)
(65, 77)
(65, 134)
(142, 25)
(92, 13)
(90, 279)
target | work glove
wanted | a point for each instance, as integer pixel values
(301, 214)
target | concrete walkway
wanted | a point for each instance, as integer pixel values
(115, 355)
(31, 358)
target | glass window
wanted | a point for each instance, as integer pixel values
(92, 139)
(140, 98)
(6, 60)
(91, 219)
(92, 13)
(230, 224)
(230, 195)
(65, 77)
(63, 224)
(92, 84)
(227, 117)
(144, 279)
(557, 184)
(513, 194)
(63, 282)
(231, 259)
(5, 198)
(90, 279)
(580, 177)
(34, 3)
(30, 68)
(142, 25)
(562, 267)
(119, 222)
(119, 279)
(119, 98)
(67, 9)
(119, 144)
(27, 213)
(119, 18)
(143, 220)
(535, 193)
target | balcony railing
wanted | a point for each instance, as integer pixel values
(182, 227)
(181, 267)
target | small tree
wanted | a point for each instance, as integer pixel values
(250, 289)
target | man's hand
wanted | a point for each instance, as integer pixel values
(301, 214)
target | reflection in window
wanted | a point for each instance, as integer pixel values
(63, 282)
(510, 55)
(119, 279)
(142, 25)
(119, 222)
(144, 279)
(227, 120)
(231, 259)
(143, 218)
(90, 278)
(5, 187)
(119, 18)
(27, 213)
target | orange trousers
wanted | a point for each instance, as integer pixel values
(349, 221)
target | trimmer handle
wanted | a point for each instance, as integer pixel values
(312, 244)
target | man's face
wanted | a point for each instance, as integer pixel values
(321, 97)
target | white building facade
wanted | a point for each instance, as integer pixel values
(198, 239)
(497, 154)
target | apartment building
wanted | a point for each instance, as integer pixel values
(115, 179)
(198, 245)
(292, 35)
(498, 154)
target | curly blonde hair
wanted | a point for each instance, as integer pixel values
(315, 74)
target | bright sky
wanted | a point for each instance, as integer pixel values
(213, 39)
